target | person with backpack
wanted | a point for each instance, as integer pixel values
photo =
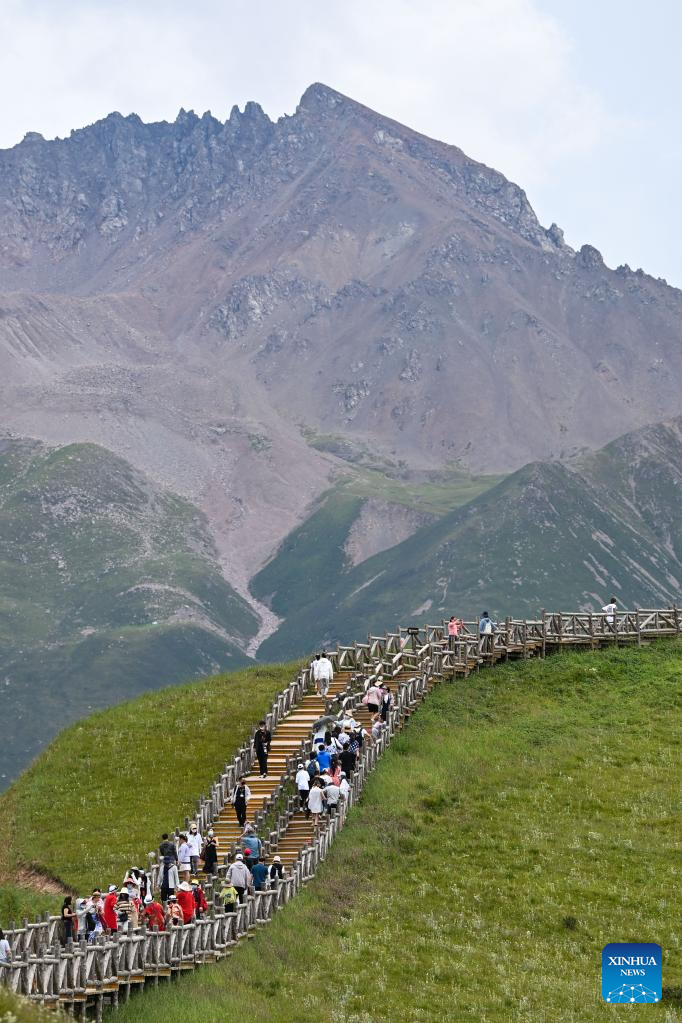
(169, 878)
(241, 794)
(251, 846)
(302, 787)
(230, 896)
(486, 628)
(261, 742)
(167, 848)
(210, 854)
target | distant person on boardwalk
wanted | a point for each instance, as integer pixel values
(324, 675)
(167, 848)
(174, 915)
(486, 628)
(200, 903)
(303, 786)
(239, 875)
(195, 843)
(94, 921)
(610, 612)
(241, 794)
(454, 629)
(344, 787)
(276, 870)
(184, 858)
(316, 800)
(109, 910)
(251, 846)
(154, 915)
(185, 899)
(373, 697)
(386, 703)
(324, 759)
(67, 921)
(210, 853)
(349, 755)
(261, 741)
(230, 896)
(5, 950)
(259, 873)
(169, 878)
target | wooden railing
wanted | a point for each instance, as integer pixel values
(82, 975)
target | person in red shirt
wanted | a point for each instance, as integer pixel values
(154, 915)
(109, 917)
(200, 903)
(185, 897)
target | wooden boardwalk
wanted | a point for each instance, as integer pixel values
(87, 977)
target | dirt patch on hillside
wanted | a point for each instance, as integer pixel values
(36, 881)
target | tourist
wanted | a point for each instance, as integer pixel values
(261, 742)
(377, 727)
(324, 675)
(344, 787)
(332, 794)
(94, 922)
(373, 697)
(210, 854)
(276, 870)
(109, 909)
(302, 787)
(195, 842)
(200, 903)
(241, 794)
(455, 625)
(5, 950)
(174, 915)
(486, 628)
(323, 758)
(312, 767)
(68, 921)
(169, 877)
(127, 914)
(316, 800)
(81, 913)
(386, 703)
(230, 896)
(251, 845)
(610, 612)
(184, 860)
(240, 876)
(154, 915)
(185, 900)
(259, 873)
(349, 755)
(167, 848)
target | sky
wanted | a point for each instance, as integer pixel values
(578, 101)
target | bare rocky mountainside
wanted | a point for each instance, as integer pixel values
(328, 324)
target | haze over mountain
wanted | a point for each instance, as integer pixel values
(328, 326)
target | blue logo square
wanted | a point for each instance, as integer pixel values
(631, 971)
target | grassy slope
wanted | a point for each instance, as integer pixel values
(95, 802)
(523, 820)
(109, 587)
(20, 1010)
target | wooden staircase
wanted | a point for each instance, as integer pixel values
(286, 742)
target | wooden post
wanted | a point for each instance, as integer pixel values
(544, 632)
(638, 627)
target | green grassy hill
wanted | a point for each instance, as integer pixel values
(553, 534)
(96, 800)
(525, 818)
(109, 586)
(522, 821)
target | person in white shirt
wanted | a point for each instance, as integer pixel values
(610, 611)
(5, 950)
(344, 787)
(324, 675)
(195, 843)
(239, 875)
(303, 786)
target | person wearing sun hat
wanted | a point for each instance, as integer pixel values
(200, 903)
(174, 914)
(185, 899)
(276, 870)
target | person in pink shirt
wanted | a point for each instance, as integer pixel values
(454, 627)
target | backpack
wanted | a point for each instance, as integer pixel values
(487, 628)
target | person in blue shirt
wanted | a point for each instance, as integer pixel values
(486, 627)
(259, 872)
(324, 758)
